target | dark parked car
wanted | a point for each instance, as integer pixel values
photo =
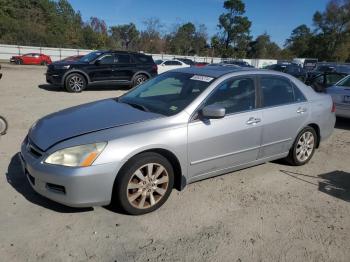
(277, 67)
(291, 69)
(240, 63)
(102, 67)
(0, 73)
(321, 81)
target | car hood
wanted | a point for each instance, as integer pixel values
(83, 119)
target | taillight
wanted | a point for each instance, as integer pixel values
(155, 68)
(333, 108)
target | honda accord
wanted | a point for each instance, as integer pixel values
(182, 126)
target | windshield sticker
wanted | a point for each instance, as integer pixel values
(201, 78)
(173, 108)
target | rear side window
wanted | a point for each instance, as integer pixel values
(122, 58)
(144, 59)
(279, 91)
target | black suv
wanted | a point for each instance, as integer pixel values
(102, 67)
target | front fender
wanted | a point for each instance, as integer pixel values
(74, 70)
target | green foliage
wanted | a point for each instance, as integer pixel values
(330, 39)
(263, 48)
(235, 29)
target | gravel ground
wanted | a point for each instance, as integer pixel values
(272, 212)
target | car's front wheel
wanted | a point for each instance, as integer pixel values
(303, 147)
(75, 83)
(144, 184)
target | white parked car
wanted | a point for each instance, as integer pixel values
(166, 65)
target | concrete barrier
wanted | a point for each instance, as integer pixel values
(7, 51)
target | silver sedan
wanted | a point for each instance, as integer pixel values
(180, 127)
(340, 93)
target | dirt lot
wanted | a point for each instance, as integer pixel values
(272, 212)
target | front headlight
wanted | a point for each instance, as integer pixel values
(83, 155)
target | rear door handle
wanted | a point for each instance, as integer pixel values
(301, 110)
(253, 121)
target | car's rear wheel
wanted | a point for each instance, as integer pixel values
(139, 79)
(44, 63)
(303, 147)
(19, 62)
(75, 83)
(3, 126)
(144, 184)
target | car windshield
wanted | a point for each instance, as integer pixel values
(90, 57)
(167, 94)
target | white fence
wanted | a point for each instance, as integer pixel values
(7, 51)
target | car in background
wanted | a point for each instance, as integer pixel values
(310, 64)
(240, 63)
(102, 67)
(321, 81)
(187, 61)
(180, 127)
(200, 64)
(289, 68)
(31, 59)
(0, 73)
(340, 93)
(280, 67)
(72, 58)
(166, 65)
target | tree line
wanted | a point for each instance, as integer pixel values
(57, 24)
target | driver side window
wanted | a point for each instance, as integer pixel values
(235, 95)
(107, 60)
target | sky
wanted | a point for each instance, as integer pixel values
(276, 17)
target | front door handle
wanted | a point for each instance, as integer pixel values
(253, 121)
(301, 110)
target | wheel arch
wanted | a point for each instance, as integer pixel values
(179, 178)
(318, 132)
(75, 71)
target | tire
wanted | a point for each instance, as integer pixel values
(303, 148)
(136, 192)
(75, 83)
(139, 79)
(3, 126)
(19, 62)
(44, 63)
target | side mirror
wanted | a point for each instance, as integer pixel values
(97, 62)
(213, 112)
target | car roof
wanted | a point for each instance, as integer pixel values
(213, 71)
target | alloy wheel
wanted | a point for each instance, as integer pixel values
(147, 185)
(140, 80)
(76, 83)
(305, 146)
